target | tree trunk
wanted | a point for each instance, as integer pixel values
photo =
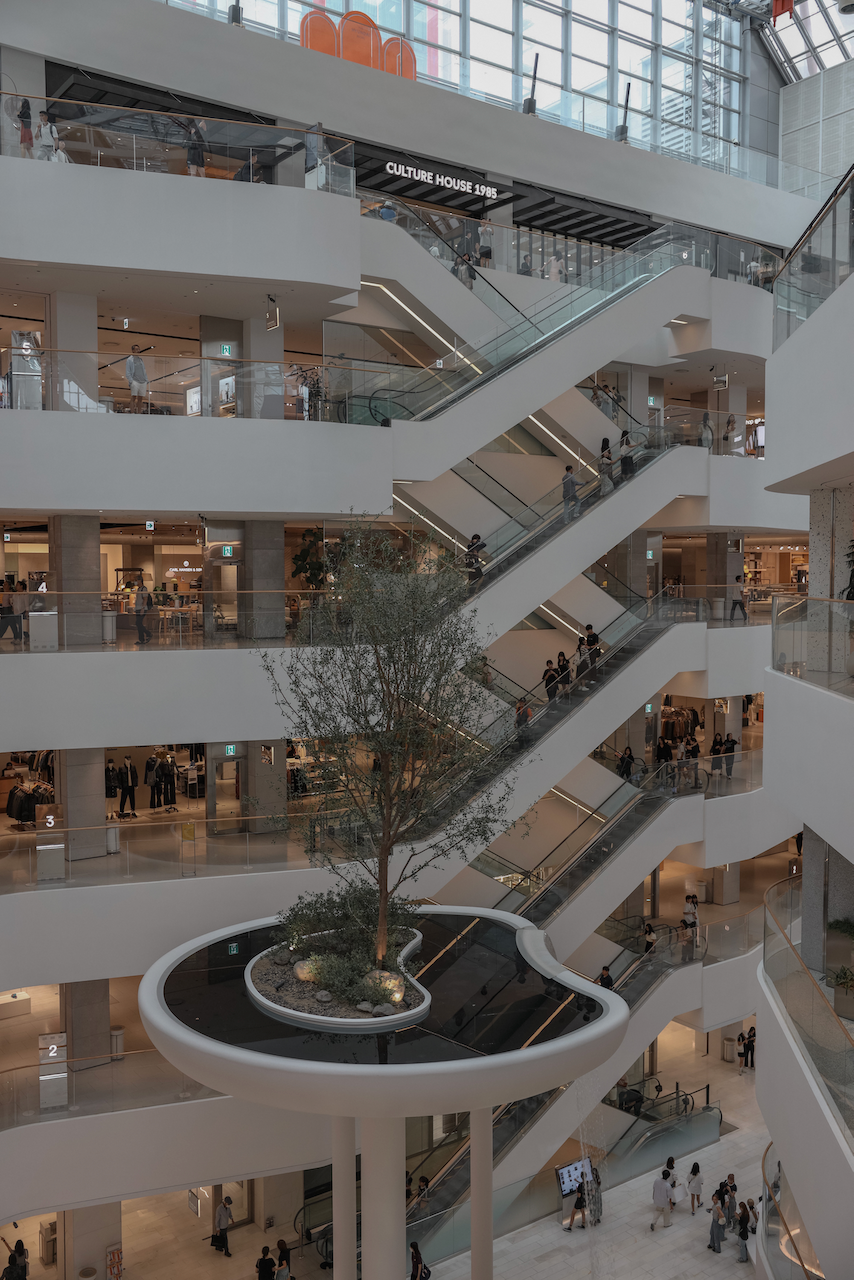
(382, 913)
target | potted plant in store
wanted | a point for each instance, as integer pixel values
(843, 991)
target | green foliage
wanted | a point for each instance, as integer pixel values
(341, 924)
(848, 593)
(842, 977)
(309, 562)
(344, 977)
(845, 927)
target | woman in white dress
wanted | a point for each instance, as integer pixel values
(695, 1187)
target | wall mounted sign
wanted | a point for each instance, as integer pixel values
(435, 178)
(228, 552)
(149, 525)
(225, 348)
(230, 749)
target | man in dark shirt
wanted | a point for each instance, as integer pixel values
(472, 558)
(593, 651)
(605, 980)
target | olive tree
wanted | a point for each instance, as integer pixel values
(381, 695)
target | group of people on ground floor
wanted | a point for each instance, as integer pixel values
(728, 1213)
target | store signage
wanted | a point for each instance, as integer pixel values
(7, 537)
(225, 348)
(435, 178)
(233, 948)
(230, 749)
(188, 830)
(186, 568)
(228, 552)
(149, 525)
(193, 1203)
(126, 323)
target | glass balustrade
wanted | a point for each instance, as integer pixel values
(60, 1089)
(826, 1041)
(726, 939)
(656, 1135)
(813, 640)
(787, 1246)
(462, 75)
(819, 264)
(731, 435)
(43, 620)
(109, 137)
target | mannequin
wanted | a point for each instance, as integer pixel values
(154, 780)
(128, 781)
(168, 769)
(111, 787)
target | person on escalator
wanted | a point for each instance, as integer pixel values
(564, 672)
(570, 495)
(523, 720)
(604, 464)
(605, 980)
(664, 756)
(471, 558)
(591, 640)
(627, 764)
(627, 462)
(550, 680)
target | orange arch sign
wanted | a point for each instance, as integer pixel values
(318, 31)
(399, 58)
(357, 38)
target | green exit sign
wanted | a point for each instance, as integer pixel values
(230, 749)
(228, 553)
(233, 948)
(225, 348)
(651, 401)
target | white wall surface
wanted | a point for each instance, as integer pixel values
(151, 44)
(806, 1136)
(736, 659)
(228, 229)
(256, 468)
(814, 782)
(97, 1159)
(809, 436)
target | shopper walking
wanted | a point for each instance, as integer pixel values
(743, 1224)
(649, 938)
(141, 605)
(284, 1259)
(418, 1267)
(754, 1217)
(738, 600)
(661, 1199)
(137, 379)
(20, 609)
(580, 1206)
(730, 744)
(570, 495)
(729, 1188)
(46, 138)
(742, 1039)
(695, 1187)
(750, 1049)
(223, 1219)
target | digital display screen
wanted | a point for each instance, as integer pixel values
(570, 1176)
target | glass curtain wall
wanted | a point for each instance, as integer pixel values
(682, 59)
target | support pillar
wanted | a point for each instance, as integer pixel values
(74, 559)
(84, 1237)
(73, 362)
(831, 531)
(344, 1196)
(727, 884)
(79, 778)
(221, 343)
(84, 1016)
(263, 375)
(480, 1131)
(724, 562)
(263, 615)
(384, 1244)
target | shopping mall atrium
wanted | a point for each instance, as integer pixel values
(430, 657)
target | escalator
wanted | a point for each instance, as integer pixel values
(511, 736)
(410, 393)
(675, 1124)
(640, 976)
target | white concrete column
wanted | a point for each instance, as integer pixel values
(263, 374)
(480, 1130)
(384, 1243)
(344, 1197)
(84, 1237)
(74, 556)
(80, 789)
(73, 336)
(84, 1016)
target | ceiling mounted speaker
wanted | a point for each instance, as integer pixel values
(845, 6)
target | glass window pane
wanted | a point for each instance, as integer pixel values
(634, 22)
(589, 77)
(641, 94)
(495, 46)
(677, 107)
(589, 113)
(596, 9)
(498, 12)
(491, 80)
(831, 54)
(681, 11)
(539, 25)
(677, 74)
(266, 11)
(793, 41)
(439, 64)
(588, 43)
(549, 67)
(634, 58)
(435, 27)
(385, 13)
(676, 38)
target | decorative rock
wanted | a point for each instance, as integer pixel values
(282, 958)
(365, 1006)
(304, 970)
(294, 958)
(324, 997)
(393, 983)
(383, 1010)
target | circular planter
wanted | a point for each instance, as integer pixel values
(346, 1026)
